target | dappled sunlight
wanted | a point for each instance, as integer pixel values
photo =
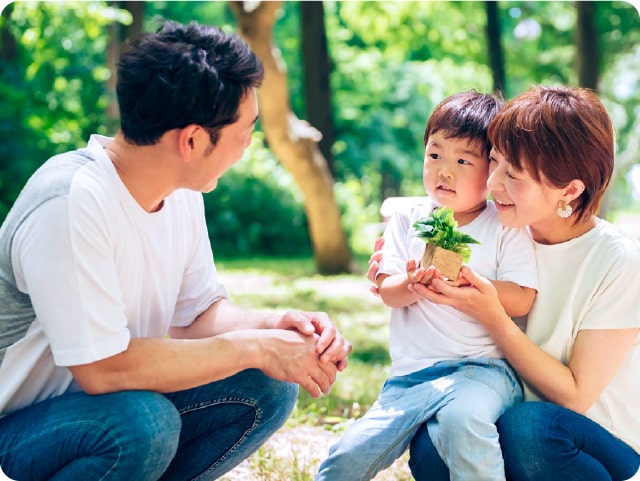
(442, 383)
(295, 452)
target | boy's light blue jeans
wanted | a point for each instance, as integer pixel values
(461, 401)
(199, 433)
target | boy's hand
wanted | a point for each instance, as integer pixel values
(418, 274)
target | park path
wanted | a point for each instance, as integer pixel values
(294, 454)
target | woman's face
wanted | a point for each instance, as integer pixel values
(520, 199)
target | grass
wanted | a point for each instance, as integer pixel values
(280, 284)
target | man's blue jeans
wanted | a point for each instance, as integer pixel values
(465, 397)
(542, 441)
(199, 433)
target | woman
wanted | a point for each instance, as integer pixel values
(552, 159)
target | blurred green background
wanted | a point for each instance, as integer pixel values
(389, 64)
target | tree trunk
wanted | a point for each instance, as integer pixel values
(119, 35)
(588, 64)
(587, 50)
(295, 142)
(317, 67)
(8, 45)
(496, 56)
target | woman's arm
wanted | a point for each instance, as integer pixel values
(595, 358)
(517, 300)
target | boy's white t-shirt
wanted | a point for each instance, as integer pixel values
(99, 270)
(592, 282)
(424, 333)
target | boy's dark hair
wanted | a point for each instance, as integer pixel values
(465, 115)
(182, 75)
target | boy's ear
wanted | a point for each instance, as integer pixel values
(573, 190)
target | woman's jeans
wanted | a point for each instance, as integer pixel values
(463, 398)
(542, 441)
(199, 433)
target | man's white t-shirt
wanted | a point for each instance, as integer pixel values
(424, 333)
(592, 282)
(99, 270)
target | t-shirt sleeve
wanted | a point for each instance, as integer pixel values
(61, 259)
(614, 302)
(517, 258)
(395, 251)
(200, 286)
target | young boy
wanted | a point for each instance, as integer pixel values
(446, 371)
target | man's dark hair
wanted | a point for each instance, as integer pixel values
(182, 75)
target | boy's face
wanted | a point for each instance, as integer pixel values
(455, 173)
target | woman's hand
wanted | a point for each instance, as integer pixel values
(374, 263)
(478, 298)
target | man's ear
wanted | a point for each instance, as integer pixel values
(188, 141)
(573, 190)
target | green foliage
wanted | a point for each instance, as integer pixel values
(358, 205)
(392, 63)
(543, 36)
(285, 283)
(257, 208)
(440, 229)
(53, 92)
(620, 89)
(213, 13)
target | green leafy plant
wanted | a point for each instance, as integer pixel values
(440, 229)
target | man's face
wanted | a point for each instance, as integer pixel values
(232, 142)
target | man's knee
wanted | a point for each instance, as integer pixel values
(125, 435)
(145, 425)
(277, 398)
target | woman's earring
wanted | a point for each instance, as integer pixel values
(564, 210)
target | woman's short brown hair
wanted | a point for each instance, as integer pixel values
(561, 134)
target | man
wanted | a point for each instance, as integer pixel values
(121, 356)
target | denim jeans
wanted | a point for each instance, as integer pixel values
(543, 441)
(199, 433)
(465, 397)
(547, 442)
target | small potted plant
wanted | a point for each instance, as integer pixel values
(447, 248)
